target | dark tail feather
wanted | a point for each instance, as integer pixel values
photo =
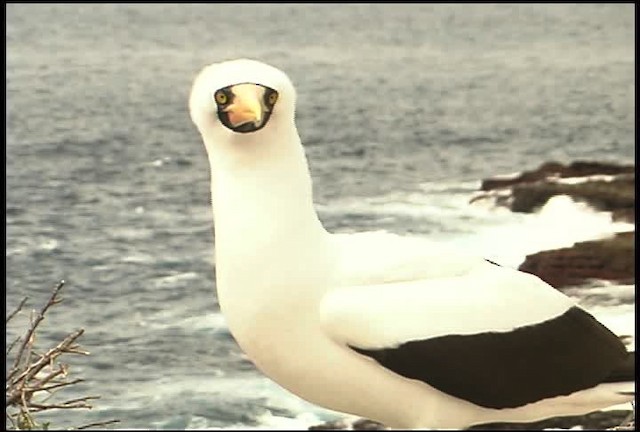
(625, 371)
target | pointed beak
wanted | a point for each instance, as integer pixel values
(247, 105)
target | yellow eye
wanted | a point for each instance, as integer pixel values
(272, 98)
(221, 97)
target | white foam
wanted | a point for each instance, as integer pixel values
(267, 421)
(11, 251)
(49, 245)
(492, 231)
(160, 162)
(209, 321)
(434, 202)
(445, 186)
(301, 421)
(138, 259)
(613, 305)
(176, 279)
(560, 223)
(508, 176)
(584, 179)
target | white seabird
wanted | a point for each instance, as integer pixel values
(391, 328)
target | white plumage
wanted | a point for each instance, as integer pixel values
(344, 320)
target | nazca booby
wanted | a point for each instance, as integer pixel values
(396, 329)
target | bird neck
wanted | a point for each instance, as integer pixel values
(261, 190)
(266, 232)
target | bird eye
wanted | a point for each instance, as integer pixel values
(272, 98)
(221, 97)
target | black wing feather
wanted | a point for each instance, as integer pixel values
(509, 369)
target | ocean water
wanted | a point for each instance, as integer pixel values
(403, 109)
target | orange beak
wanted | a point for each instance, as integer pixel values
(247, 105)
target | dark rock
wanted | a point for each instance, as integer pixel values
(345, 424)
(556, 169)
(365, 424)
(608, 259)
(547, 169)
(598, 420)
(529, 190)
(624, 215)
(617, 194)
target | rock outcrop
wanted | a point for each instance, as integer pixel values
(607, 259)
(557, 170)
(599, 420)
(604, 186)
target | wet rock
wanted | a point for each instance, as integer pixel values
(607, 259)
(345, 424)
(557, 170)
(624, 215)
(365, 424)
(604, 186)
(616, 193)
(599, 420)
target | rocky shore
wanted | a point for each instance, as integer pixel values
(604, 186)
(599, 420)
(609, 259)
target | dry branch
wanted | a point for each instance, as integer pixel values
(18, 309)
(29, 339)
(39, 373)
(92, 425)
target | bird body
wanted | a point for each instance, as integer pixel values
(396, 329)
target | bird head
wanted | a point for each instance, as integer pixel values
(240, 97)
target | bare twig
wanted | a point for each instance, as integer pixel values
(13, 422)
(34, 325)
(60, 371)
(102, 423)
(58, 385)
(76, 350)
(48, 357)
(70, 404)
(24, 406)
(15, 341)
(28, 375)
(18, 309)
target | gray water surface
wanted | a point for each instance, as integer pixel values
(107, 179)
